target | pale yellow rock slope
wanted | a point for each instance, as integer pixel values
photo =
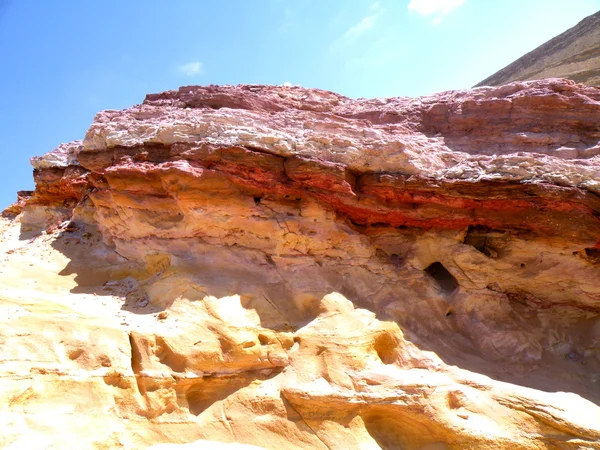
(277, 359)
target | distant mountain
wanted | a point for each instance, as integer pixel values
(574, 54)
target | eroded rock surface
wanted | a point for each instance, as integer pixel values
(282, 267)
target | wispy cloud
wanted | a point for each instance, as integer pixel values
(288, 20)
(191, 68)
(365, 24)
(377, 56)
(434, 7)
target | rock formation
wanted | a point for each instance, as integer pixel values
(574, 54)
(288, 268)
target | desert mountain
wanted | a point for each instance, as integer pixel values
(574, 54)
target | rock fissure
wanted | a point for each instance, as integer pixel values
(287, 403)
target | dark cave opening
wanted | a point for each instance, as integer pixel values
(445, 279)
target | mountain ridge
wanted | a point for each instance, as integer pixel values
(573, 54)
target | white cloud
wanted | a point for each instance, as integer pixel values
(348, 39)
(365, 24)
(191, 68)
(438, 7)
(288, 20)
(287, 84)
(378, 55)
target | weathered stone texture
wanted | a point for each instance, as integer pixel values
(290, 268)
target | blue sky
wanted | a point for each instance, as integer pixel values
(63, 61)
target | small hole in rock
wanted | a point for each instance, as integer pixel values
(397, 260)
(522, 266)
(257, 200)
(449, 313)
(386, 347)
(593, 254)
(481, 238)
(74, 354)
(445, 279)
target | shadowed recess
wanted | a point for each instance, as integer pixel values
(444, 279)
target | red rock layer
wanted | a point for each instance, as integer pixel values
(556, 118)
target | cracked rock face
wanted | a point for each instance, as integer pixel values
(280, 267)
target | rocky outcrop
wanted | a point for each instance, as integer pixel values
(574, 54)
(290, 268)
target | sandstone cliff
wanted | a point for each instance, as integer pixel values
(286, 268)
(574, 54)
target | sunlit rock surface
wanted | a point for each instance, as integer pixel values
(288, 268)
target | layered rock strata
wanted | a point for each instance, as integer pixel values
(290, 268)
